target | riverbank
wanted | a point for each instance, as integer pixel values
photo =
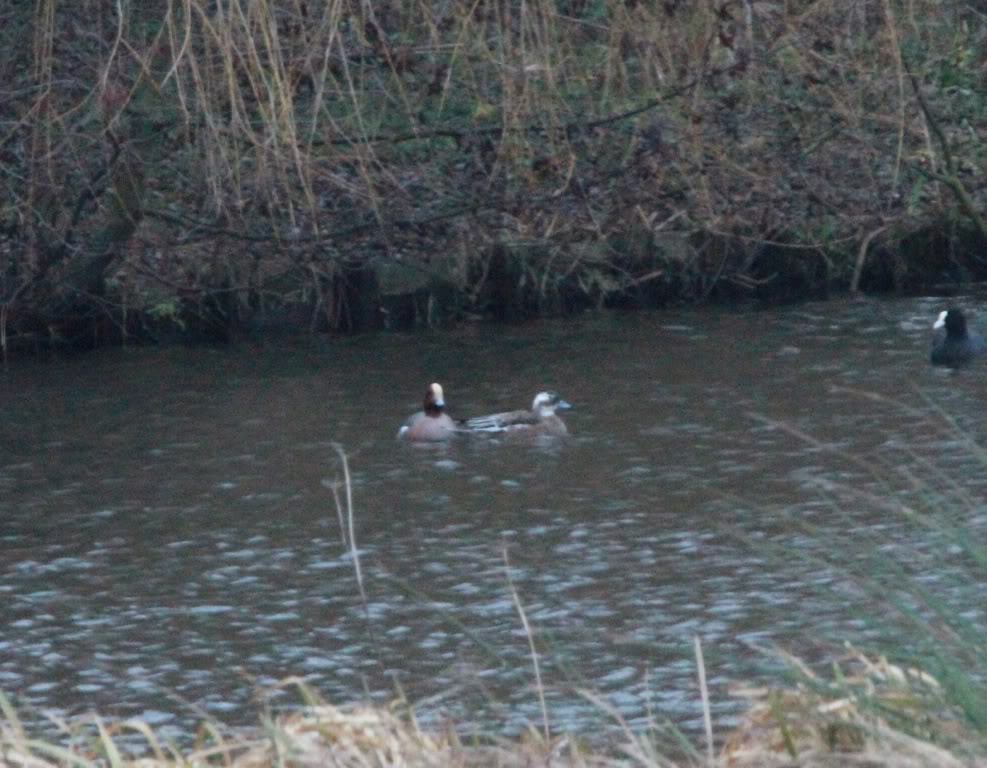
(178, 173)
(868, 713)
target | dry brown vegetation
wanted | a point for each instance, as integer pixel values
(869, 713)
(202, 164)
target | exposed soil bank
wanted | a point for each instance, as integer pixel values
(505, 284)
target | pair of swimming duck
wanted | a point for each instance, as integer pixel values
(432, 424)
(953, 345)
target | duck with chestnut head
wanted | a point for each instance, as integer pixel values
(431, 424)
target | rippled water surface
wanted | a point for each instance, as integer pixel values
(168, 538)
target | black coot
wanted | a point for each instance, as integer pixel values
(952, 344)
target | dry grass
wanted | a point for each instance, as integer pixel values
(869, 713)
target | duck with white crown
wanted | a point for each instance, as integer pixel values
(542, 419)
(431, 424)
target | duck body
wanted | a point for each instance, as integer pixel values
(542, 419)
(953, 345)
(432, 424)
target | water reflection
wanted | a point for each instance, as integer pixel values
(168, 538)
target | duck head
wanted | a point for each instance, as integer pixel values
(953, 321)
(546, 403)
(434, 401)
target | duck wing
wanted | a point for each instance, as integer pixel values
(500, 422)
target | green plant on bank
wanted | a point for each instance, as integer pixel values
(928, 580)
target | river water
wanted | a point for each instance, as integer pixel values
(169, 546)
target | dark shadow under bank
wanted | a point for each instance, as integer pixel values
(511, 285)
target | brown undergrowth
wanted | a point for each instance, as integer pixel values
(189, 166)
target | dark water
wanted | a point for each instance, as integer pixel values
(169, 547)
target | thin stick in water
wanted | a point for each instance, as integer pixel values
(349, 535)
(704, 692)
(531, 645)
